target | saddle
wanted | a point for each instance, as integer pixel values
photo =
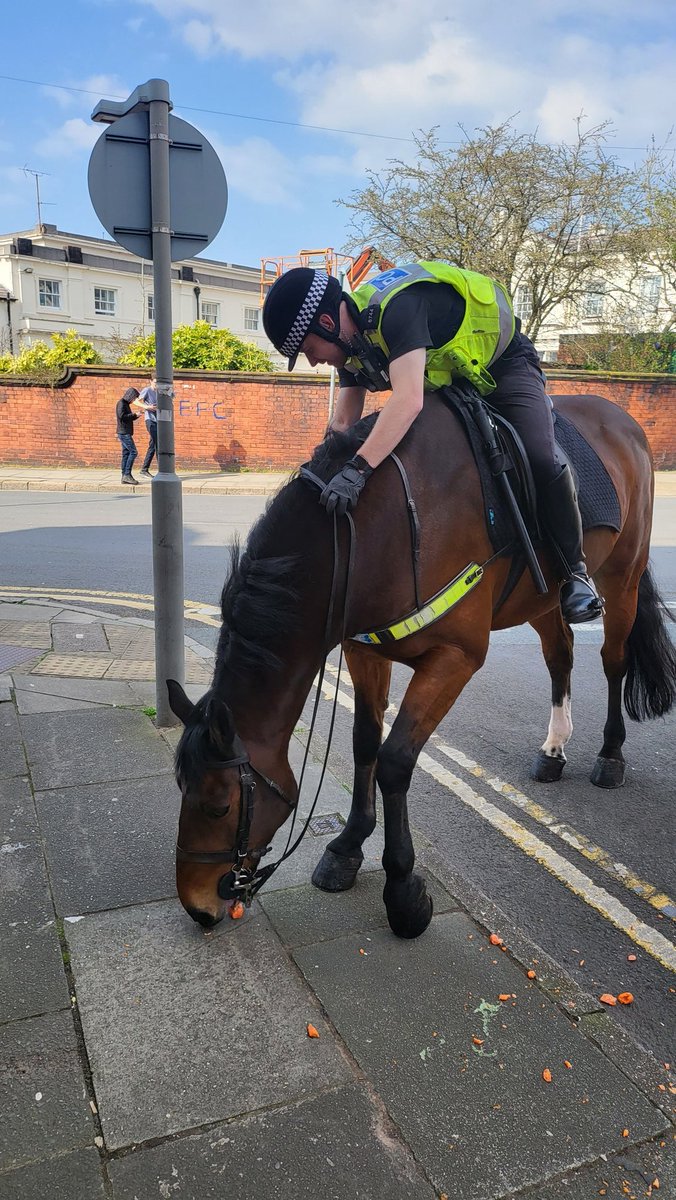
(508, 486)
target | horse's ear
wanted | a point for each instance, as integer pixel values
(221, 725)
(179, 703)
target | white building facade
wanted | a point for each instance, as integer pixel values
(51, 281)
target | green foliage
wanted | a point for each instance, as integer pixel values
(201, 347)
(45, 363)
(635, 353)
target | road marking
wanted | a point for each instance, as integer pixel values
(654, 943)
(195, 610)
(578, 841)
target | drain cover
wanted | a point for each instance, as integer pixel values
(320, 826)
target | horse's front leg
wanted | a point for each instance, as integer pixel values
(337, 869)
(557, 649)
(439, 678)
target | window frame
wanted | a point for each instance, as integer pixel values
(216, 315)
(42, 295)
(593, 300)
(100, 312)
(249, 328)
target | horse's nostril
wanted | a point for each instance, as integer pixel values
(203, 918)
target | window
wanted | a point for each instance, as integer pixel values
(251, 318)
(523, 303)
(151, 308)
(104, 301)
(210, 313)
(592, 300)
(49, 291)
(651, 285)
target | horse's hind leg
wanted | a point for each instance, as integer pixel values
(557, 647)
(621, 595)
(337, 869)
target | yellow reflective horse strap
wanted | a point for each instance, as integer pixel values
(437, 607)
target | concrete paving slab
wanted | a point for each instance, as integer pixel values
(34, 702)
(27, 612)
(13, 656)
(18, 821)
(297, 870)
(32, 979)
(26, 633)
(42, 1098)
(304, 915)
(111, 692)
(99, 746)
(144, 692)
(5, 688)
(79, 639)
(12, 757)
(78, 618)
(460, 1072)
(75, 1176)
(184, 1028)
(124, 835)
(92, 666)
(643, 1171)
(336, 1147)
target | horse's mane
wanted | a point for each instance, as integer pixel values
(258, 601)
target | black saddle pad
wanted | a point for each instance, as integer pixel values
(597, 497)
(596, 493)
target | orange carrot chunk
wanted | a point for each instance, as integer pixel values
(311, 1031)
(608, 998)
(625, 998)
(495, 940)
(547, 1075)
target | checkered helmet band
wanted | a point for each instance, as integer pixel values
(303, 321)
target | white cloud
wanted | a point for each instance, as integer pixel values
(391, 66)
(258, 170)
(72, 137)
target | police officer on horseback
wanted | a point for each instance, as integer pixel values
(418, 327)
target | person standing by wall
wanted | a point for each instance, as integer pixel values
(125, 432)
(148, 402)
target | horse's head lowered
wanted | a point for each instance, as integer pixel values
(230, 810)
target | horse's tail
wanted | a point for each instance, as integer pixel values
(650, 686)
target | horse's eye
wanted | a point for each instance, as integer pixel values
(215, 812)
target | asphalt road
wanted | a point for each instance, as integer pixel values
(587, 911)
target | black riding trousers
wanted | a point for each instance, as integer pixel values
(520, 397)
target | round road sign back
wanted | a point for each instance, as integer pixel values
(119, 186)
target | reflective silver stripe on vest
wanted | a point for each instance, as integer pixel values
(506, 317)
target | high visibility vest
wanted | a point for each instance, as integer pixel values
(486, 330)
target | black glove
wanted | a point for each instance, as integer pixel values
(343, 491)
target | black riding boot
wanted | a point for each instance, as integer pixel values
(579, 599)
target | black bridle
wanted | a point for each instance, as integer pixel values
(242, 883)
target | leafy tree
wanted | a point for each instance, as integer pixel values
(201, 347)
(542, 217)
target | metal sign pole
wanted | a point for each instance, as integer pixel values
(150, 171)
(166, 489)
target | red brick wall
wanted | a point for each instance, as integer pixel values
(257, 422)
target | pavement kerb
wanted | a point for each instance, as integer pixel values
(16, 477)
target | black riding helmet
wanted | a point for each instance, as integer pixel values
(294, 305)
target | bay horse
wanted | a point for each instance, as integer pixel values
(232, 760)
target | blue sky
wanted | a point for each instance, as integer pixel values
(261, 70)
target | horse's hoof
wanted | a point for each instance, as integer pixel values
(608, 772)
(409, 908)
(335, 873)
(547, 769)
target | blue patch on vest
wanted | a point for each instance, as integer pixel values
(382, 281)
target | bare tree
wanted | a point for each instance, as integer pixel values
(546, 218)
(650, 245)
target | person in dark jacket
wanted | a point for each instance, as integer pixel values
(125, 432)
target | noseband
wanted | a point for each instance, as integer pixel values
(241, 882)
